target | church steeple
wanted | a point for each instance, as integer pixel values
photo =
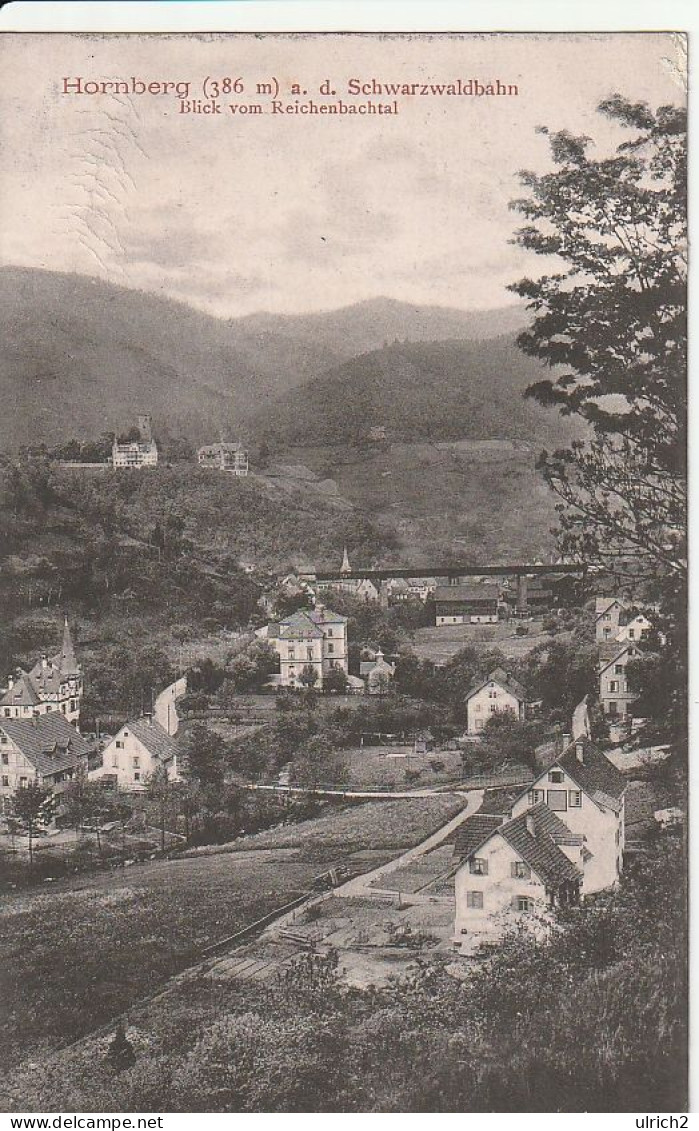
(345, 567)
(68, 665)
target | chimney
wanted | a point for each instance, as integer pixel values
(580, 751)
(531, 829)
(566, 739)
(44, 660)
(10, 681)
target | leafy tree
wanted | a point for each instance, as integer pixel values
(162, 798)
(120, 1052)
(335, 680)
(611, 314)
(251, 669)
(309, 676)
(87, 801)
(319, 763)
(203, 756)
(33, 807)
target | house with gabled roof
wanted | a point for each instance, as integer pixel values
(498, 693)
(608, 614)
(315, 638)
(136, 751)
(513, 872)
(584, 789)
(44, 748)
(615, 694)
(55, 683)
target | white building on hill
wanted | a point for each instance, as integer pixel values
(315, 638)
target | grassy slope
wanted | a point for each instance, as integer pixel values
(380, 825)
(82, 951)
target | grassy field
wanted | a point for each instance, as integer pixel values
(389, 825)
(440, 643)
(80, 951)
(372, 767)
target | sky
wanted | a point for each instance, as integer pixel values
(236, 214)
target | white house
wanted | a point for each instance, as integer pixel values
(513, 872)
(139, 748)
(615, 694)
(608, 614)
(634, 629)
(137, 453)
(315, 638)
(586, 791)
(224, 456)
(44, 748)
(498, 693)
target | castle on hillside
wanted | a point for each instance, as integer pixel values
(55, 683)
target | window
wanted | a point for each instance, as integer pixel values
(520, 871)
(493, 708)
(612, 708)
(5, 780)
(3, 738)
(493, 694)
(535, 796)
(115, 761)
(556, 775)
(614, 685)
(575, 798)
(557, 799)
(137, 776)
(632, 633)
(618, 669)
(136, 763)
(119, 744)
(7, 712)
(292, 654)
(523, 903)
(5, 759)
(474, 899)
(478, 866)
(617, 836)
(309, 653)
(23, 781)
(330, 632)
(331, 647)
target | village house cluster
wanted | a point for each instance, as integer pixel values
(559, 840)
(522, 854)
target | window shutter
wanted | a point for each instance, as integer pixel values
(513, 869)
(515, 903)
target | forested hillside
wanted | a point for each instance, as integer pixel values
(440, 390)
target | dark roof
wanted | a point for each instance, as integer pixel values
(155, 738)
(474, 831)
(298, 626)
(21, 694)
(609, 651)
(500, 676)
(595, 774)
(49, 742)
(500, 800)
(538, 847)
(467, 593)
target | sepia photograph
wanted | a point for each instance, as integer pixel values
(343, 572)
